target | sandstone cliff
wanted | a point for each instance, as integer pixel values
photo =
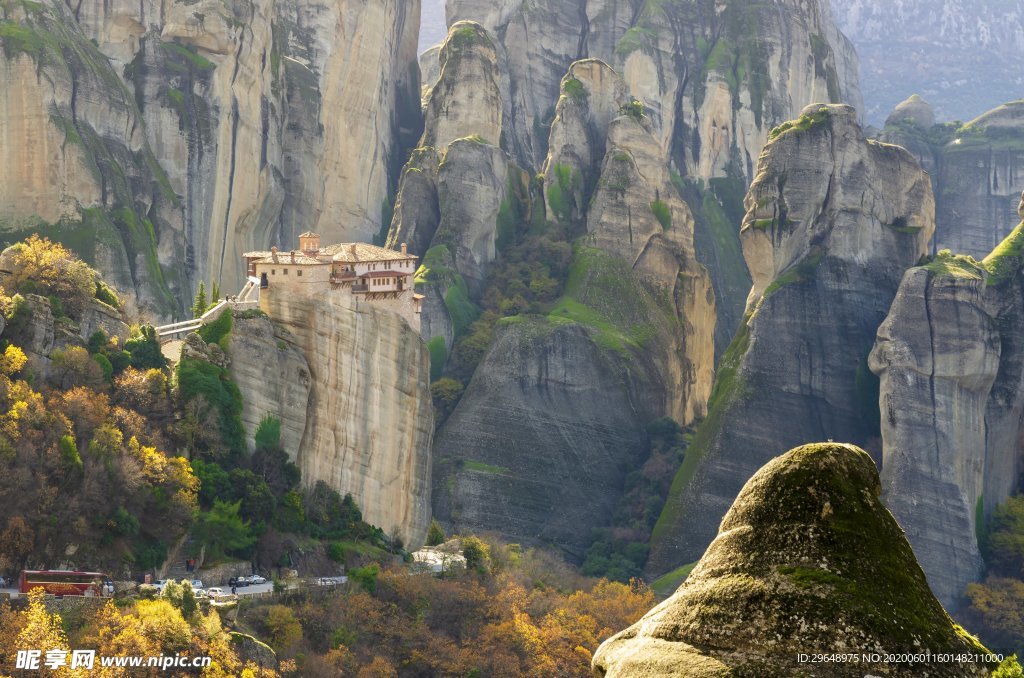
(807, 560)
(240, 123)
(950, 368)
(349, 383)
(832, 222)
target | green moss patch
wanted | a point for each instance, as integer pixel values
(1005, 260)
(603, 294)
(471, 465)
(800, 272)
(815, 120)
(437, 268)
(666, 585)
(949, 265)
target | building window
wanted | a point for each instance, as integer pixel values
(285, 271)
(273, 271)
(299, 273)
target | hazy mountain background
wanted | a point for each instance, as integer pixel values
(963, 56)
(432, 23)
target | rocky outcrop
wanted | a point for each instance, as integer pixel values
(981, 178)
(466, 99)
(369, 421)
(977, 170)
(807, 560)
(222, 126)
(948, 358)
(275, 375)
(832, 222)
(954, 53)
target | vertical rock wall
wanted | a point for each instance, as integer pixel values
(368, 419)
(832, 222)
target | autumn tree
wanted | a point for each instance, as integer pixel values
(17, 540)
(39, 265)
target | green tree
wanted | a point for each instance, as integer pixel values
(215, 292)
(144, 348)
(1005, 539)
(199, 305)
(435, 535)
(222, 530)
(477, 554)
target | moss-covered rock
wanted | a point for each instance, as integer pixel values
(807, 560)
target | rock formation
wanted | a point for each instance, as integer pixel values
(977, 170)
(956, 54)
(633, 340)
(219, 127)
(807, 560)
(951, 377)
(75, 163)
(350, 383)
(832, 222)
(680, 60)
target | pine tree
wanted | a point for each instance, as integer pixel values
(215, 294)
(199, 307)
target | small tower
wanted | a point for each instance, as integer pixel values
(309, 243)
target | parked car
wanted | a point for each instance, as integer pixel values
(238, 581)
(201, 594)
(215, 591)
(256, 579)
(197, 585)
(331, 581)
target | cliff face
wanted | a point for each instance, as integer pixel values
(950, 368)
(350, 384)
(832, 222)
(76, 164)
(643, 120)
(700, 70)
(807, 560)
(977, 170)
(631, 341)
(954, 53)
(254, 121)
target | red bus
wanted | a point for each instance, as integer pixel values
(67, 583)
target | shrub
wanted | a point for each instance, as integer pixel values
(663, 213)
(435, 535)
(477, 554)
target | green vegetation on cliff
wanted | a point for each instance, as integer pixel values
(1005, 260)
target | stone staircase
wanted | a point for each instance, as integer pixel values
(175, 568)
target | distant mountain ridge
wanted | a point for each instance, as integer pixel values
(964, 57)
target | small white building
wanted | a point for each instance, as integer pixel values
(377, 275)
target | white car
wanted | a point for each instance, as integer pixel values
(214, 591)
(256, 579)
(197, 585)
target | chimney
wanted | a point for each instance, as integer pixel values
(352, 250)
(293, 256)
(405, 248)
(273, 254)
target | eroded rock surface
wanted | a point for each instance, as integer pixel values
(807, 560)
